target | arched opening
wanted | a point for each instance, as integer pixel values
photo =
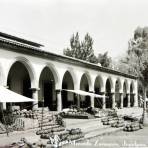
(47, 89)
(19, 81)
(98, 102)
(84, 85)
(131, 95)
(108, 94)
(125, 99)
(117, 94)
(68, 98)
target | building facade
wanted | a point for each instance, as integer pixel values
(28, 70)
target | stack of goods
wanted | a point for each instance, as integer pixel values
(104, 113)
(112, 113)
(55, 126)
(75, 114)
(49, 129)
(49, 124)
(75, 134)
(131, 118)
(109, 120)
(24, 113)
(24, 119)
(63, 134)
(119, 122)
(67, 135)
(133, 126)
(44, 117)
(18, 124)
(101, 114)
(30, 114)
(114, 121)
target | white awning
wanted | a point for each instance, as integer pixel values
(7, 95)
(84, 93)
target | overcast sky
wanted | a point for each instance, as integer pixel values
(111, 23)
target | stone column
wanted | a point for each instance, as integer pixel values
(78, 100)
(35, 97)
(135, 101)
(59, 100)
(92, 102)
(128, 100)
(121, 103)
(4, 106)
(113, 100)
(4, 103)
(103, 100)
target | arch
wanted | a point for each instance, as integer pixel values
(73, 76)
(98, 85)
(28, 66)
(132, 88)
(125, 91)
(47, 88)
(132, 94)
(119, 84)
(86, 74)
(54, 72)
(85, 85)
(68, 98)
(126, 85)
(19, 81)
(117, 92)
(108, 86)
(111, 83)
(99, 80)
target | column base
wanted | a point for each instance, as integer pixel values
(103, 107)
(121, 107)
(35, 105)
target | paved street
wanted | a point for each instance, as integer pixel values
(137, 139)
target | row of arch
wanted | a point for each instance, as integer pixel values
(21, 77)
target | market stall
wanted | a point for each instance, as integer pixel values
(8, 96)
(77, 111)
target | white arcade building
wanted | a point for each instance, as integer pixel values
(28, 70)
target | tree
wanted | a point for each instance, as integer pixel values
(81, 49)
(137, 59)
(104, 60)
(84, 50)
